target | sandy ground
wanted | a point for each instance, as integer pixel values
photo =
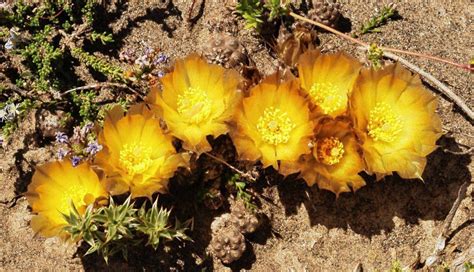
(305, 229)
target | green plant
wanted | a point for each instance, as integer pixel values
(100, 65)
(88, 110)
(469, 267)
(16, 112)
(251, 11)
(240, 186)
(387, 12)
(117, 227)
(42, 54)
(375, 55)
(396, 267)
(277, 8)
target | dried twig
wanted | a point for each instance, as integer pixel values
(441, 241)
(386, 49)
(463, 152)
(102, 85)
(443, 88)
(241, 173)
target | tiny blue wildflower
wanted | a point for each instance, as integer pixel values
(142, 62)
(160, 74)
(9, 45)
(160, 59)
(93, 147)
(75, 160)
(62, 153)
(86, 129)
(61, 137)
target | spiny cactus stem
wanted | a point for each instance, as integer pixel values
(359, 42)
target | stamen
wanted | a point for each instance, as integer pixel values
(384, 124)
(327, 97)
(329, 150)
(194, 105)
(275, 126)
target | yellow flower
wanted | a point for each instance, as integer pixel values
(136, 155)
(395, 117)
(273, 123)
(335, 161)
(327, 80)
(197, 100)
(53, 186)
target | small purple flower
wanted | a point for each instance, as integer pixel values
(148, 51)
(142, 62)
(160, 74)
(62, 153)
(93, 147)
(86, 129)
(9, 45)
(75, 160)
(160, 59)
(61, 137)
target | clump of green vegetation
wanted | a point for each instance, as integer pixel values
(47, 35)
(255, 14)
(396, 267)
(375, 55)
(11, 112)
(117, 227)
(238, 184)
(386, 13)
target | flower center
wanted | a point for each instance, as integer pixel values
(329, 150)
(275, 126)
(194, 104)
(384, 124)
(135, 158)
(327, 97)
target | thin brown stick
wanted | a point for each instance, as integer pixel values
(366, 45)
(102, 85)
(442, 87)
(241, 173)
(441, 241)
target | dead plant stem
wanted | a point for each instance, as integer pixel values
(241, 173)
(442, 87)
(366, 45)
(102, 85)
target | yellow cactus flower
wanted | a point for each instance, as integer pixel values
(52, 189)
(273, 123)
(327, 79)
(335, 160)
(197, 100)
(395, 117)
(136, 155)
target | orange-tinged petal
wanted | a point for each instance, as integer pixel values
(140, 155)
(273, 123)
(52, 189)
(197, 100)
(335, 162)
(395, 118)
(327, 80)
